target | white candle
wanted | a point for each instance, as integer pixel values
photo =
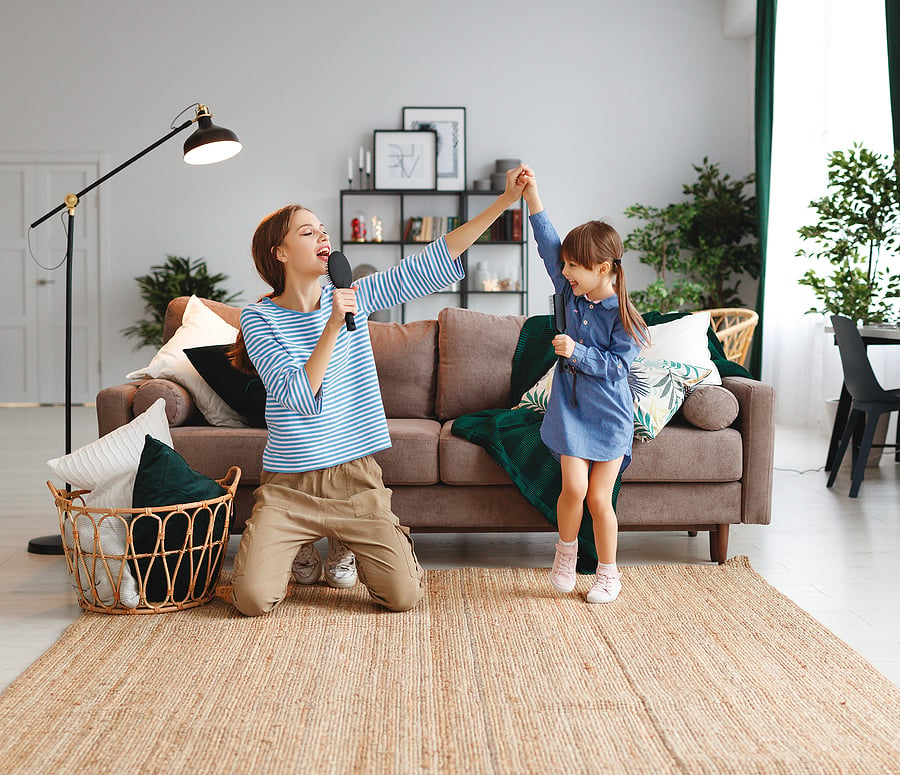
(360, 157)
(368, 163)
(349, 168)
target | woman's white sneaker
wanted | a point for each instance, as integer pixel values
(340, 566)
(307, 565)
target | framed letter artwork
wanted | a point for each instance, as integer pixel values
(405, 160)
(450, 126)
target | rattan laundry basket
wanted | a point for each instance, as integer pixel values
(110, 575)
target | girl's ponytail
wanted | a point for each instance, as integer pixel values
(632, 321)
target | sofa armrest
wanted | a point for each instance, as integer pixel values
(114, 407)
(118, 405)
(756, 421)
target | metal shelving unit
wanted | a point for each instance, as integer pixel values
(395, 207)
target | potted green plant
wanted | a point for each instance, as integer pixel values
(856, 234)
(178, 276)
(699, 247)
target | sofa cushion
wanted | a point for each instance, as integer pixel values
(475, 351)
(413, 455)
(681, 453)
(406, 361)
(212, 451)
(464, 463)
(710, 407)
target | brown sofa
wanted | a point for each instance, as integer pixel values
(433, 371)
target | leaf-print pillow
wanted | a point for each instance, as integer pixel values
(536, 398)
(658, 388)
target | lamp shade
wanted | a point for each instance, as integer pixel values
(210, 143)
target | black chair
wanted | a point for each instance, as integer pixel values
(868, 401)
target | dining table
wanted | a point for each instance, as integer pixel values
(871, 335)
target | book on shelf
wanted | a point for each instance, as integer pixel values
(507, 228)
(428, 228)
(516, 232)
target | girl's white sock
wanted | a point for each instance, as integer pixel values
(568, 543)
(606, 567)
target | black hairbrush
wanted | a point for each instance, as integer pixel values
(341, 276)
(558, 310)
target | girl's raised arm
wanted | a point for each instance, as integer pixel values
(532, 198)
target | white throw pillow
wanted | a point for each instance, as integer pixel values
(200, 326)
(107, 467)
(683, 341)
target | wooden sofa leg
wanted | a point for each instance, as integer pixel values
(718, 544)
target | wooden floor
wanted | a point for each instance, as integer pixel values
(836, 557)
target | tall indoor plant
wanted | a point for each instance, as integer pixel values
(857, 235)
(699, 247)
(178, 276)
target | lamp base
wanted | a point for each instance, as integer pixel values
(46, 545)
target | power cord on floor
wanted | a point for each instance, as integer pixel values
(797, 471)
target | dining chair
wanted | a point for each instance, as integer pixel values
(868, 400)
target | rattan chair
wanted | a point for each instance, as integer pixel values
(734, 326)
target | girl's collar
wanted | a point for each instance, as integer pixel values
(609, 302)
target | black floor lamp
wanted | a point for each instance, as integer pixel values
(207, 145)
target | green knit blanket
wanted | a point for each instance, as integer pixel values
(512, 436)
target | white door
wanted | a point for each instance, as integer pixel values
(33, 283)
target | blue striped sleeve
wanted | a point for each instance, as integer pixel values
(282, 372)
(414, 277)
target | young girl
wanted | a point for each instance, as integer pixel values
(589, 422)
(323, 411)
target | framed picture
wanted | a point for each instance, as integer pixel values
(405, 160)
(450, 125)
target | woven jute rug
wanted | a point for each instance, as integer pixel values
(695, 669)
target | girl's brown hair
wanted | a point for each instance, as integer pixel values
(268, 235)
(591, 244)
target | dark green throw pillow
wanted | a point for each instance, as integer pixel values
(242, 392)
(165, 479)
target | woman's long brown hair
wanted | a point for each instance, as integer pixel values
(268, 235)
(591, 244)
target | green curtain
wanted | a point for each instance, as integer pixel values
(765, 77)
(892, 22)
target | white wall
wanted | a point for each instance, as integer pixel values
(610, 102)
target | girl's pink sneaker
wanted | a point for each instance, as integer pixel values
(562, 574)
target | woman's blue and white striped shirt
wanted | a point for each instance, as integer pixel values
(345, 419)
